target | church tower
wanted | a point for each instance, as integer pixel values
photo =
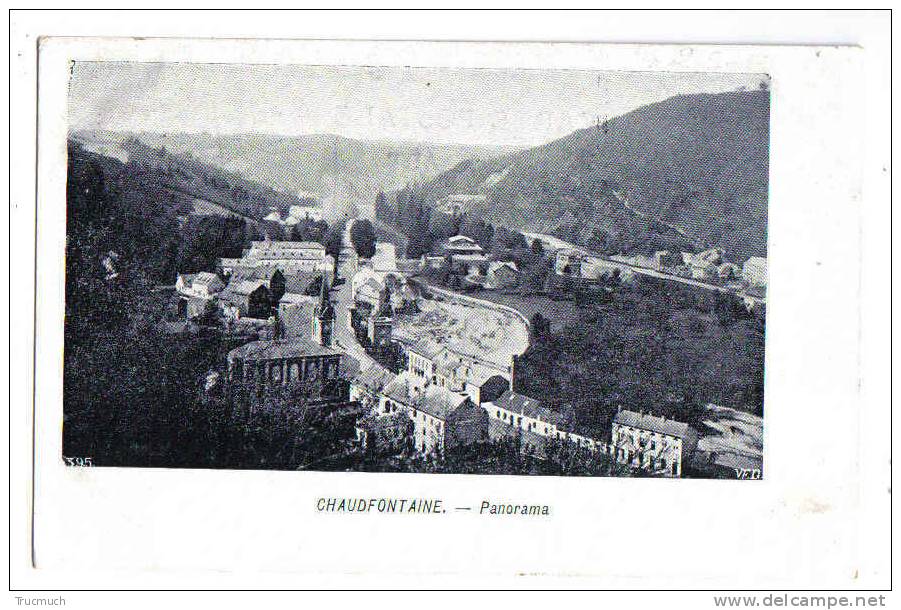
(324, 315)
(380, 323)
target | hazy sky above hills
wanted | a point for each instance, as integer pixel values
(475, 107)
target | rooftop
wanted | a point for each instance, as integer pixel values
(286, 245)
(439, 402)
(242, 288)
(398, 389)
(529, 407)
(427, 348)
(374, 377)
(470, 258)
(654, 423)
(277, 350)
(255, 272)
(206, 278)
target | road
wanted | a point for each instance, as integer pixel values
(554, 243)
(343, 300)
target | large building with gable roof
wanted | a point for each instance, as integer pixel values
(652, 442)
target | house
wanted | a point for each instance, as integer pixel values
(289, 256)
(466, 257)
(430, 262)
(501, 274)
(527, 414)
(184, 284)
(664, 259)
(203, 285)
(269, 275)
(652, 442)
(367, 385)
(206, 285)
(284, 362)
(469, 264)
(568, 262)
(460, 203)
(367, 296)
(246, 299)
(198, 307)
(729, 271)
(441, 418)
(431, 364)
(298, 213)
(461, 245)
(703, 269)
(754, 271)
(514, 414)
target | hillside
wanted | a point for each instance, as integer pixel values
(688, 172)
(344, 174)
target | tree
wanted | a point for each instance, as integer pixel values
(334, 239)
(383, 209)
(540, 325)
(362, 234)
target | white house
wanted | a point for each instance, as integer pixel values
(460, 245)
(203, 285)
(430, 364)
(754, 271)
(289, 256)
(652, 442)
(385, 258)
(441, 418)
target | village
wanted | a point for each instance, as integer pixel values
(427, 369)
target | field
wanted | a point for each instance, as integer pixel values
(479, 331)
(560, 313)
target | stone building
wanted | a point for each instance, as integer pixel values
(285, 362)
(367, 385)
(246, 299)
(324, 316)
(442, 419)
(431, 364)
(652, 442)
(288, 256)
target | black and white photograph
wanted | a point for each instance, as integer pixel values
(313, 302)
(521, 272)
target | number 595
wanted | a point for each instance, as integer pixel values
(84, 462)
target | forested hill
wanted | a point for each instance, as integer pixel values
(185, 174)
(343, 173)
(138, 212)
(688, 172)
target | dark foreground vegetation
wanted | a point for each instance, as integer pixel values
(656, 347)
(134, 390)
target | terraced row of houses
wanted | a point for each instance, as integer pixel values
(442, 399)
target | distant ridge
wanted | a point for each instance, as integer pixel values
(688, 172)
(347, 174)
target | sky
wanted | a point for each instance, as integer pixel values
(448, 106)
